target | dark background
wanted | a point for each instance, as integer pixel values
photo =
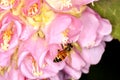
(108, 68)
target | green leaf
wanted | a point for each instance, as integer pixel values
(110, 9)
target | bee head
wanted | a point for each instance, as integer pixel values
(70, 45)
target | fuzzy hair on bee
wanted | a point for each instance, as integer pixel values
(62, 54)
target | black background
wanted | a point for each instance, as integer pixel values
(108, 68)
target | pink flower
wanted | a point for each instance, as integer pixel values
(31, 40)
(36, 61)
(8, 4)
(93, 43)
(97, 29)
(31, 7)
(10, 31)
(90, 31)
(63, 5)
(62, 28)
(92, 39)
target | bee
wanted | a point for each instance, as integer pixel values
(62, 54)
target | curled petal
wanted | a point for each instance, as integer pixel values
(93, 55)
(105, 27)
(86, 68)
(4, 59)
(81, 2)
(26, 68)
(59, 5)
(65, 5)
(16, 75)
(57, 27)
(93, 25)
(22, 56)
(27, 32)
(74, 29)
(90, 25)
(73, 73)
(76, 62)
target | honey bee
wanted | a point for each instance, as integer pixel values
(62, 54)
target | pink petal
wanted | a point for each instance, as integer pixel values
(73, 73)
(90, 25)
(4, 59)
(26, 68)
(93, 55)
(86, 68)
(105, 27)
(58, 25)
(22, 55)
(15, 75)
(74, 29)
(108, 38)
(81, 2)
(27, 32)
(76, 61)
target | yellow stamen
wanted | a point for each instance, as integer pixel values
(46, 15)
(7, 35)
(65, 33)
(64, 40)
(60, 4)
(12, 1)
(40, 34)
(17, 10)
(65, 3)
(33, 9)
(36, 72)
(65, 36)
(14, 58)
(76, 12)
(5, 3)
(3, 70)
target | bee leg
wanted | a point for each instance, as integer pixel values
(69, 58)
(62, 46)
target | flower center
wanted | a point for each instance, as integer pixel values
(45, 17)
(7, 35)
(65, 3)
(6, 3)
(60, 4)
(33, 9)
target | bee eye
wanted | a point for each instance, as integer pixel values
(60, 59)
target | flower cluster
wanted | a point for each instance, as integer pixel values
(34, 35)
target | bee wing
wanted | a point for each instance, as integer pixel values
(69, 58)
(77, 46)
